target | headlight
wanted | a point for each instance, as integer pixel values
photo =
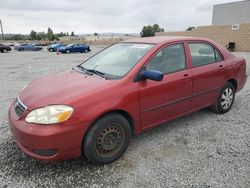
(50, 114)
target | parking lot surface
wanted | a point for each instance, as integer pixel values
(199, 150)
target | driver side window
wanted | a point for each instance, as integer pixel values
(168, 59)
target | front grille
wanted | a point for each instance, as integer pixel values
(19, 107)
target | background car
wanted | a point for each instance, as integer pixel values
(54, 47)
(74, 48)
(4, 48)
(28, 47)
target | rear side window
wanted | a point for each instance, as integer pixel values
(218, 56)
(203, 54)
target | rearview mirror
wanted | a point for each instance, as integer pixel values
(151, 75)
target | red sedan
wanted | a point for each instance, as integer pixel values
(93, 109)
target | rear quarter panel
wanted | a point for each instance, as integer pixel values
(235, 67)
(239, 71)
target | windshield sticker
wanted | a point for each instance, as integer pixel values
(140, 46)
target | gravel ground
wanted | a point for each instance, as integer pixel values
(200, 150)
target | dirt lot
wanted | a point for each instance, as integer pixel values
(200, 150)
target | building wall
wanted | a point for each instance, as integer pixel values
(222, 34)
(231, 13)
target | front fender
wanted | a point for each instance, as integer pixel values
(129, 104)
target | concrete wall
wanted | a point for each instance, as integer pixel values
(231, 13)
(222, 34)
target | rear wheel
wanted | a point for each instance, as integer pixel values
(21, 49)
(5, 50)
(51, 50)
(225, 99)
(86, 51)
(68, 51)
(107, 139)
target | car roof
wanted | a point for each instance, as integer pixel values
(163, 39)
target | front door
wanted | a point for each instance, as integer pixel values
(171, 97)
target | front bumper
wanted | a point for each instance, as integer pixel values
(47, 142)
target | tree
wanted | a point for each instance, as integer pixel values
(33, 35)
(148, 31)
(61, 34)
(17, 37)
(41, 36)
(51, 35)
(96, 34)
(72, 33)
(157, 28)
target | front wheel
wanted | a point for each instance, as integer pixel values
(225, 99)
(5, 50)
(68, 51)
(107, 139)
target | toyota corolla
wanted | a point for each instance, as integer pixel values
(127, 88)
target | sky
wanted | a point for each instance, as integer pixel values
(117, 16)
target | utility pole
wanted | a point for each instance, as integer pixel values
(1, 28)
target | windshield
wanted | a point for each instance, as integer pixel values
(118, 59)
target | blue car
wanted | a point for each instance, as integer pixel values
(74, 48)
(28, 47)
(54, 47)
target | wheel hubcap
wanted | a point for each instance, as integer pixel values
(109, 141)
(227, 98)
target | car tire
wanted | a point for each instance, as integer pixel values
(5, 50)
(67, 51)
(225, 99)
(21, 49)
(86, 51)
(107, 139)
(51, 50)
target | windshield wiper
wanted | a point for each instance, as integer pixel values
(93, 71)
(83, 70)
(99, 73)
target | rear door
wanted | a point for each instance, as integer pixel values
(72, 48)
(171, 97)
(207, 72)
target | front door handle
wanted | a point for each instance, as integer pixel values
(186, 77)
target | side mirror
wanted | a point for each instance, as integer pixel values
(151, 75)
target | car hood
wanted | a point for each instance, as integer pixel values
(61, 88)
